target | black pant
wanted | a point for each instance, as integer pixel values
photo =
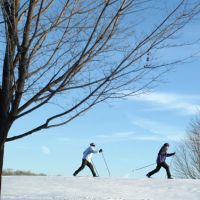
(84, 163)
(164, 165)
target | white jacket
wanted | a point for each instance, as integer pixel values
(87, 154)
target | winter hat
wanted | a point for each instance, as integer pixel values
(166, 144)
(92, 144)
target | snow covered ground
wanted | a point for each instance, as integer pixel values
(89, 188)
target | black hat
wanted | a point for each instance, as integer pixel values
(166, 144)
(92, 144)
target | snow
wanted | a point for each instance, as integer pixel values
(89, 188)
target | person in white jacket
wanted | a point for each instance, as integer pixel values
(87, 159)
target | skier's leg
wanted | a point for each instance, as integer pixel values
(91, 168)
(166, 166)
(84, 162)
(154, 171)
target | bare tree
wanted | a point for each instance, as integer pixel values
(83, 51)
(187, 161)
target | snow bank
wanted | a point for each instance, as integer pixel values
(89, 188)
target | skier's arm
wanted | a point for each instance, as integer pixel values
(170, 154)
(95, 151)
(91, 150)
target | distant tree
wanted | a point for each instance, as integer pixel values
(83, 51)
(187, 161)
(11, 172)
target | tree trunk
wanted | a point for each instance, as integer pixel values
(1, 166)
(3, 135)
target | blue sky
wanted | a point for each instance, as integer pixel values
(130, 131)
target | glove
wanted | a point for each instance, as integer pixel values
(100, 150)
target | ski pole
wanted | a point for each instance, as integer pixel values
(170, 164)
(105, 163)
(143, 167)
(171, 161)
(95, 168)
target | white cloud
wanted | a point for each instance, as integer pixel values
(184, 104)
(139, 136)
(145, 130)
(157, 130)
(45, 150)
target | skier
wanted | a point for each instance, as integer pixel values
(87, 159)
(161, 161)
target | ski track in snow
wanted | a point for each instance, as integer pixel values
(89, 188)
